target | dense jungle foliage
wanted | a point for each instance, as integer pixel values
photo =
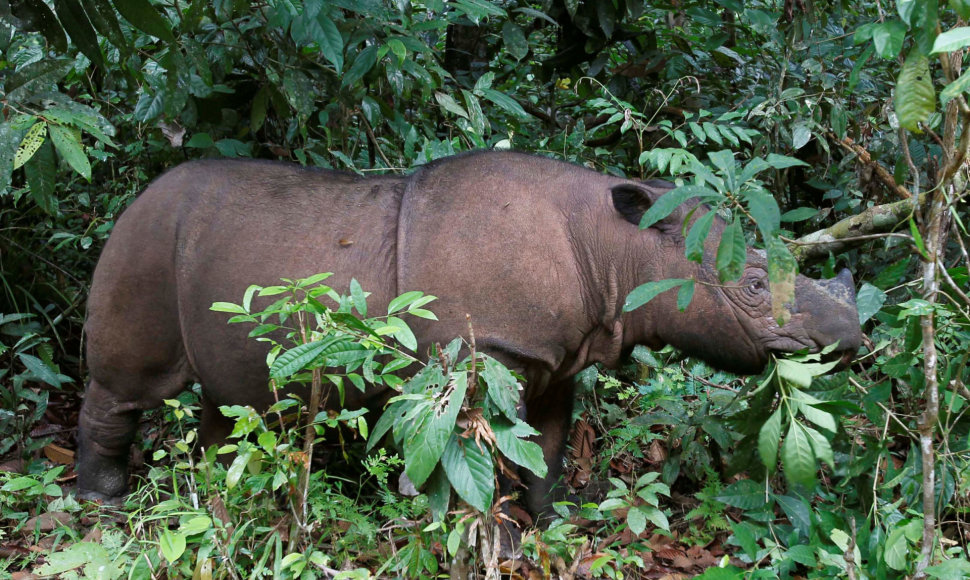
(829, 133)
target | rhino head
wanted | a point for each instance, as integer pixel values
(731, 325)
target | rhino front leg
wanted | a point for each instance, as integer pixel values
(105, 433)
(551, 415)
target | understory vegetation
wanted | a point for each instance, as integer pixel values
(830, 134)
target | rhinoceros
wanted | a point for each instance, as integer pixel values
(540, 253)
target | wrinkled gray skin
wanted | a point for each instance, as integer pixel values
(540, 253)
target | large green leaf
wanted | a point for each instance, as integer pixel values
(888, 38)
(744, 494)
(470, 471)
(330, 41)
(782, 273)
(731, 253)
(869, 301)
(41, 173)
(36, 77)
(697, 235)
(102, 16)
(797, 456)
(29, 145)
(68, 144)
(915, 98)
(502, 387)
(768, 439)
(510, 441)
(505, 102)
(646, 292)
(951, 40)
(515, 41)
(764, 209)
(297, 358)
(961, 7)
(363, 63)
(36, 15)
(75, 21)
(673, 199)
(143, 16)
(428, 435)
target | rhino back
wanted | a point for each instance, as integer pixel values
(487, 234)
(205, 231)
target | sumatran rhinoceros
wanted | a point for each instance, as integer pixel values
(540, 254)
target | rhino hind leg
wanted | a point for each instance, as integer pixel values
(214, 426)
(551, 415)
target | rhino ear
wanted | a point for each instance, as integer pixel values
(631, 200)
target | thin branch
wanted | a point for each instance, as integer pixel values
(863, 156)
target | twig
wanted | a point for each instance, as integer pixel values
(884, 176)
(373, 138)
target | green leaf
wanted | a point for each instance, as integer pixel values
(857, 68)
(439, 493)
(505, 102)
(502, 387)
(800, 135)
(297, 358)
(957, 87)
(646, 292)
(68, 144)
(36, 15)
(697, 235)
(724, 160)
(515, 41)
(797, 456)
(917, 238)
(820, 445)
(150, 104)
(685, 295)
(429, 433)
(951, 40)
(636, 520)
(93, 557)
(228, 307)
(961, 7)
(731, 253)
(764, 209)
(403, 333)
(797, 373)
(768, 439)
(955, 568)
(887, 37)
(357, 297)
(782, 273)
(36, 77)
(403, 301)
(915, 98)
(510, 441)
(172, 545)
(744, 494)
(41, 173)
(363, 63)
(41, 370)
(799, 214)
(869, 301)
(784, 161)
(102, 16)
(470, 471)
(673, 199)
(896, 549)
(29, 145)
(75, 21)
(143, 16)
(331, 43)
(449, 104)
